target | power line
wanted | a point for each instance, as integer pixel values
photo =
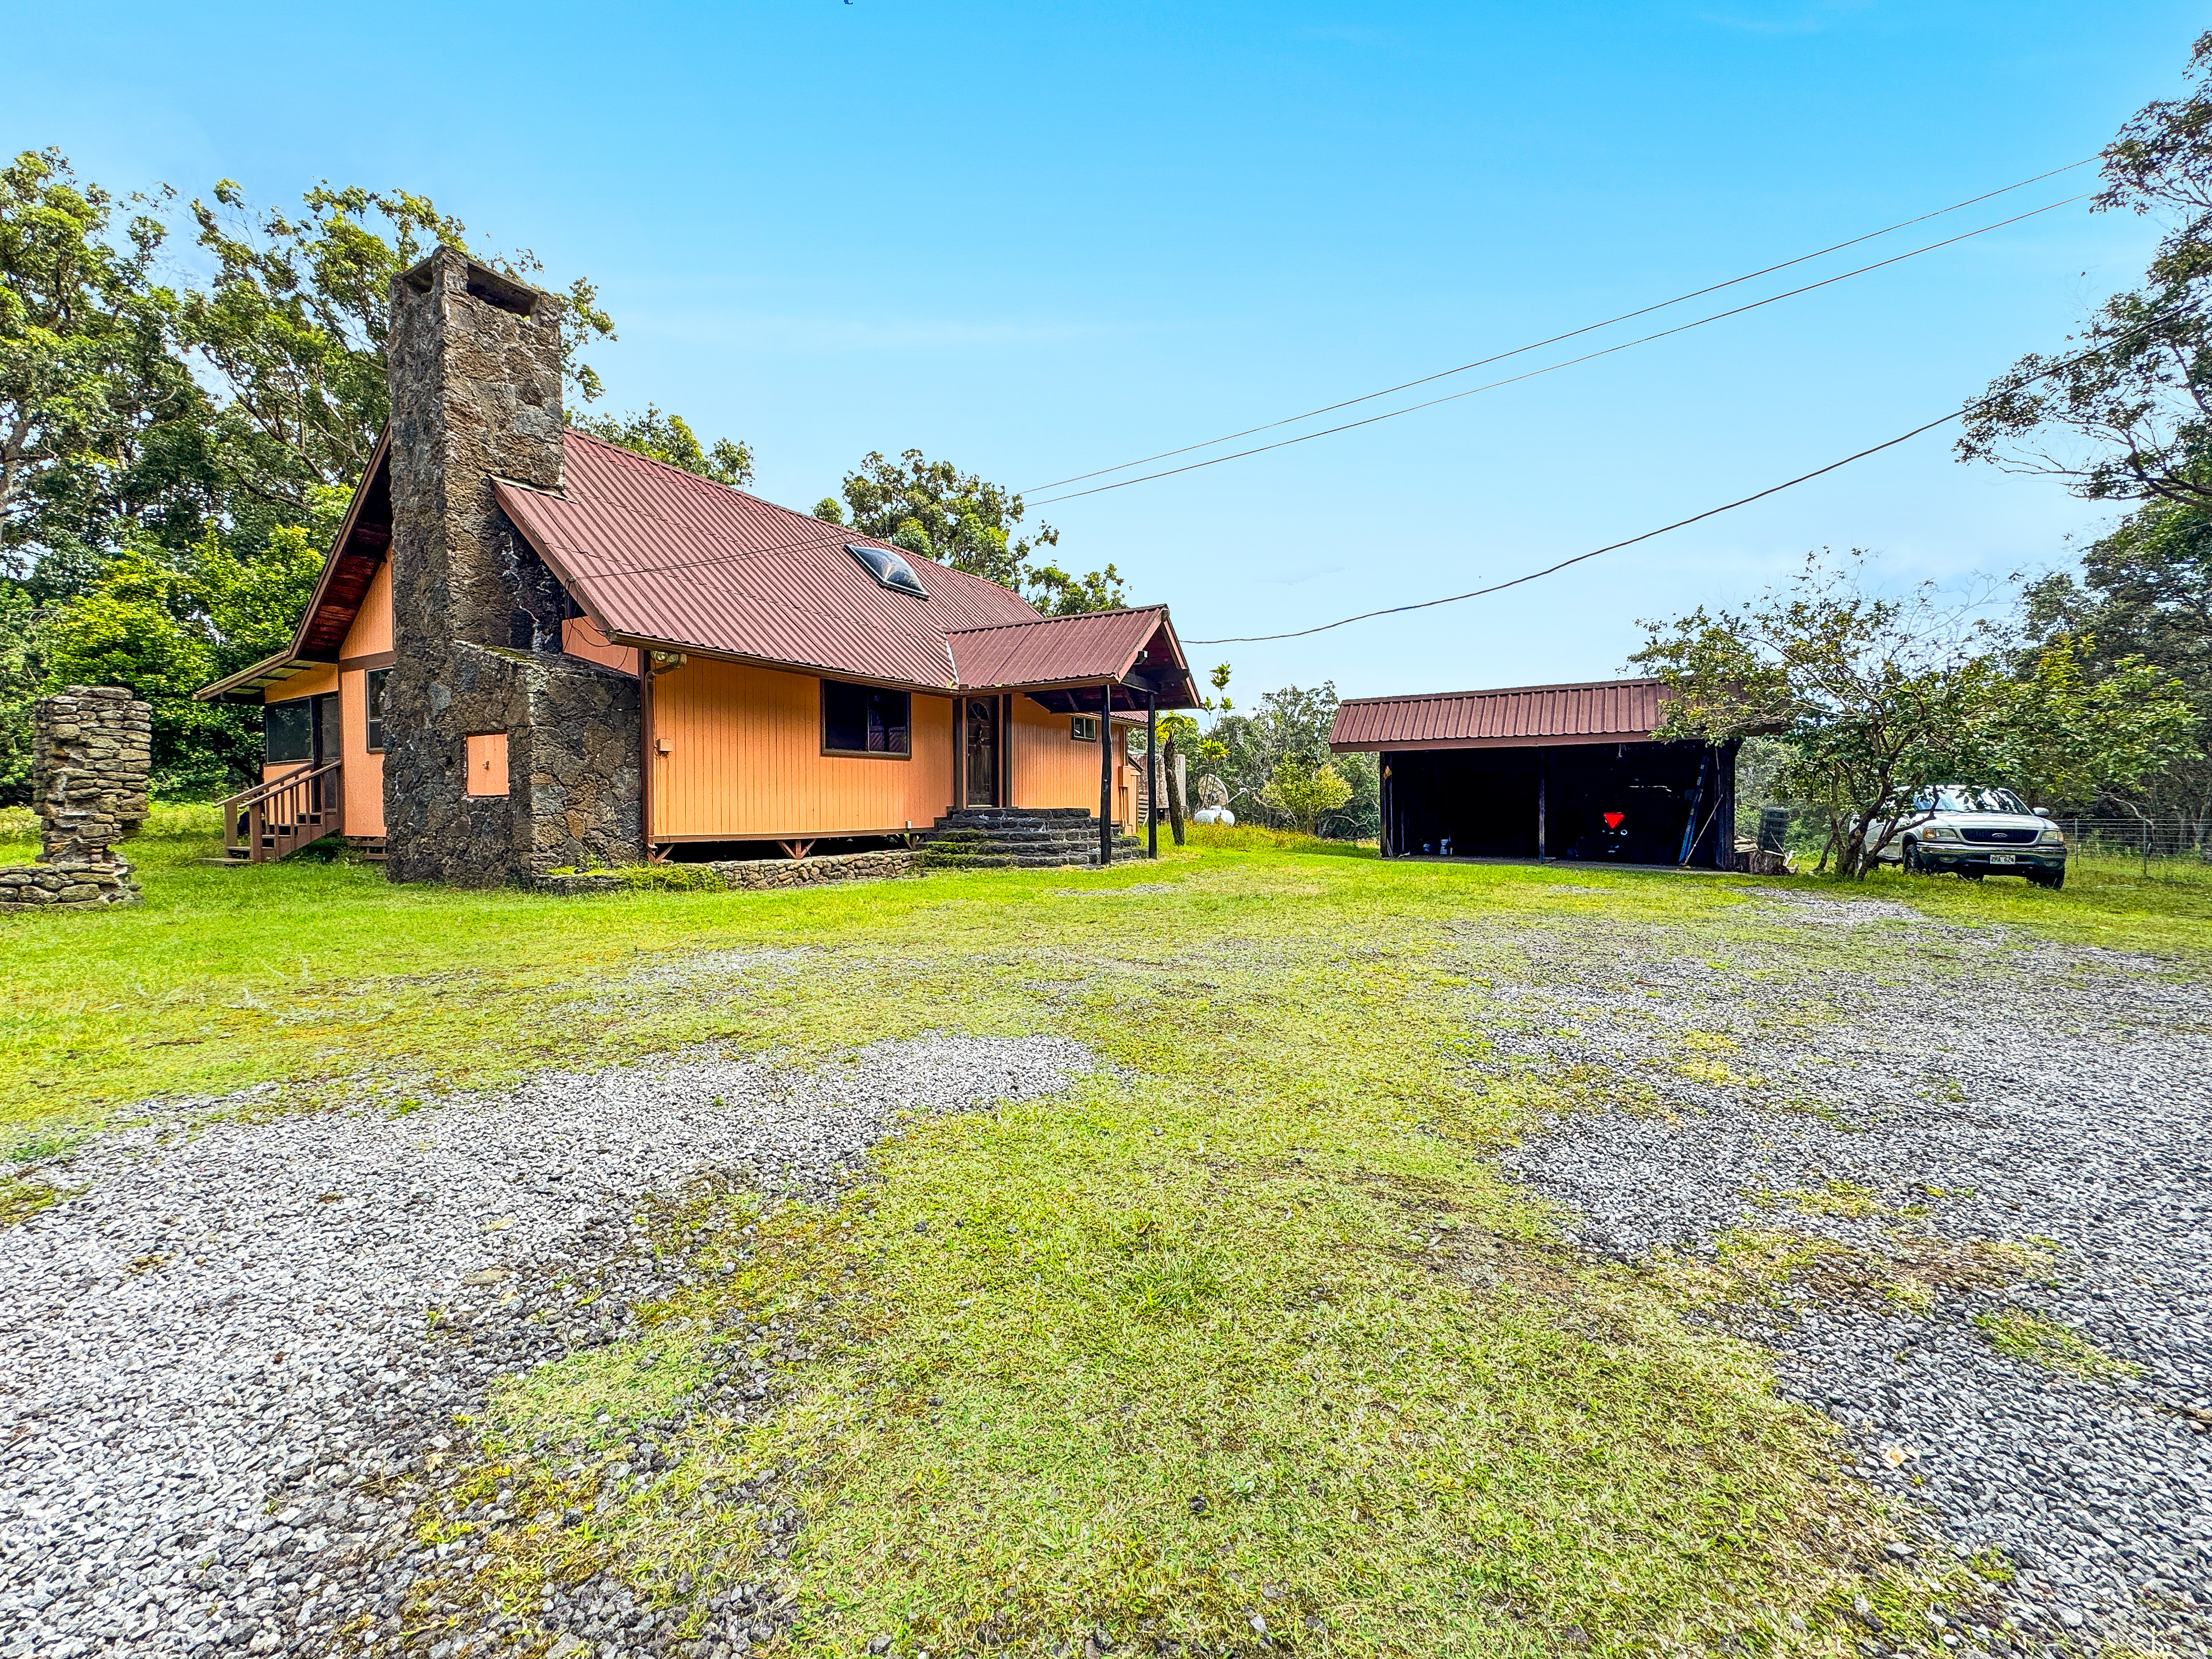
(833, 534)
(1454, 397)
(1537, 345)
(1711, 512)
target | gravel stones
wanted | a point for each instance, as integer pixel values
(2019, 1130)
(219, 1369)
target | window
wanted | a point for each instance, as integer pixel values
(289, 731)
(887, 568)
(1083, 728)
(371, 686)
(863, 720)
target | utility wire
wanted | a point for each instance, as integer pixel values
(1606, 351)
(1537, 345)
(834, 534)
(1711, 512)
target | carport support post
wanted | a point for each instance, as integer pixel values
(1152, 775)
(1106, 774)
(1541, 771)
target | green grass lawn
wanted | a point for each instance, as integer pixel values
(1247, 1332)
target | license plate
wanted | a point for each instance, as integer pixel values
(2003, 858)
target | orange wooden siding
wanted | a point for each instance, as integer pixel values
(580, 637)
(745, 761)
(1052, 769)
(363, 774)
(371, 632)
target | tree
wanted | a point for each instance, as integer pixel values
(1293, 724)
(1303, 795)
(2145, 591)
(292, 328)
(169, 459)
(19, 678)
(1877, 700)
(669, 438)
(2127, 414)
(99, 418)
(966, 523)
(2065, 737)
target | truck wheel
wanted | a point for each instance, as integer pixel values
(1912, 865)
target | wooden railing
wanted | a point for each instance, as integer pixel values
(286, 813)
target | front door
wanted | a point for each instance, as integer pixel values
(328, 744)
(980, 756)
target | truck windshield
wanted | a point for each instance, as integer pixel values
(1958, 797)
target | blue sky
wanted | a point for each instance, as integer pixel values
(1039, 240)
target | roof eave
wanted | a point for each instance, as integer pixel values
(269, 671)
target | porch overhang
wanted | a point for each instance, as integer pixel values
(249, 684)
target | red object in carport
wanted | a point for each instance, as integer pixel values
(1613, 820)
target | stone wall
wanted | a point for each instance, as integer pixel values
(92, 752)
(747, 875)
(475, 371)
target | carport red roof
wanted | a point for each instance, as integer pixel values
(1522, 716)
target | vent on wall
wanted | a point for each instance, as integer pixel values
(888, 568)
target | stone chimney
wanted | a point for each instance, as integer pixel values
(503, 756)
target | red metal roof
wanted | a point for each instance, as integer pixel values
(659, 555)
(1099, 645)
(1596, 711)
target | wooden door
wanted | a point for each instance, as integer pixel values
(979, 756)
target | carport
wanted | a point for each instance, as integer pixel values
(1544, 772)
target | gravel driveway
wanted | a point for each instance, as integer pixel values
(213, 1358)
(1978, 1170)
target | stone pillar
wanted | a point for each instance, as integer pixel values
(91, 755)
(474, 361)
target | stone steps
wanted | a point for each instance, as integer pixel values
(1001, 838)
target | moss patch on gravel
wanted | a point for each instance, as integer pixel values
(2046, 1342)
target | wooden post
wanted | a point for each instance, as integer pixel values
(1152, 775)
(1106, 774)
(646, 758)
(1542, 771)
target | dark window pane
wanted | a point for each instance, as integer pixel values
(288, 730)
(844, 716)
(863, 720)
(372, 690)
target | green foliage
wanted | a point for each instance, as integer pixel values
(669, 438)
(99, 417)
(162, 624)
(1303, 794)
(20, 677)
(2121, 415)
(293, 327)
(1248, 751)
(173, 464)
(1877, 699)
(2064, 738)
(2145, 591)
(967, 522)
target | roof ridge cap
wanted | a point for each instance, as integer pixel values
(1078, 616)
(1508, 691)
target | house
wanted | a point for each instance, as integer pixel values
(531, 650)
(1544, 772)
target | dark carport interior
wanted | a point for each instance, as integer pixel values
(1558, 772)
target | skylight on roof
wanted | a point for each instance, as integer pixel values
(887, 568)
